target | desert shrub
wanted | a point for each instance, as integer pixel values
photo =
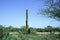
(30, 37)
(10, 37)
(32, 31)
(23, 30)
(1, 32)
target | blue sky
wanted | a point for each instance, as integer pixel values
(12, 12)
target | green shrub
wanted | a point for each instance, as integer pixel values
(32, 31)
(1, 32)
(23, 30)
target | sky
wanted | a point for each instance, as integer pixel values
(13, 12)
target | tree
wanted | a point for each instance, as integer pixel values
(52, 9)
(49, 28)
(9, 28)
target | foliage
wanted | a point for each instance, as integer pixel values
(1, 31)
(52, 9)
(9, 28)
(31, 37)
(29, 31)
(48, 29)
(32, 30)
(23, 30)
(4, 33)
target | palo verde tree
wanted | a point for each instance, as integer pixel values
(52, 9)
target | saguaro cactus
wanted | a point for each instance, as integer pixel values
(27, 19)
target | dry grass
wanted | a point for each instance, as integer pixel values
(14, 33)
(47, 32)
(36, 32)
(43, 32)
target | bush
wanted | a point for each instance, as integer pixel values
(23, 30)
(1, 32)
(32, 31)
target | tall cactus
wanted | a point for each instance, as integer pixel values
(27, 19)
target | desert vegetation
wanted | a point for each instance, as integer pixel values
(47, 33)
